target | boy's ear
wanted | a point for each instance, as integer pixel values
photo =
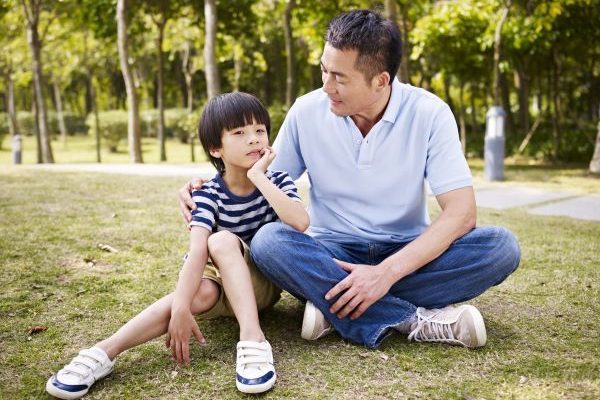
(215, 153)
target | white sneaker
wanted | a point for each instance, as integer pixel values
(314, 324)
(255, 372)
(461, 326)
(75, 379)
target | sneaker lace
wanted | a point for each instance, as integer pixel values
(253, 356)
(83, 365)
(429, 330)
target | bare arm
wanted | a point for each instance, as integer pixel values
(367, 284)
(182, 324)
(289, 211)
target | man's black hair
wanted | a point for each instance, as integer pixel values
(375, 38)
(225, 112)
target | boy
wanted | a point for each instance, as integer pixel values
(218, 276)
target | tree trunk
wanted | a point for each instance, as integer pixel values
(595, 163)
(13, 125)
(36, 127)
(160, 95)
(290, 86)
(523, 87)
(94, 105)
(213, 84)
(133, 126)
(556, 102)
(238, 62)
(59, 113)
(461, 118)
(498, 51)
(474, 91)
(446, 82)
(35, 46)
(186, 68)
(505, 97)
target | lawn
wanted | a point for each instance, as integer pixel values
(543, 322)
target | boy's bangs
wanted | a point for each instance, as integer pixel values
(244, 111)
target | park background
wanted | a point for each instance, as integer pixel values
(124, 82)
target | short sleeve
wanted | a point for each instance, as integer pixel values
(205, 215)
(446, 168)
(283, 181)
(289, 157)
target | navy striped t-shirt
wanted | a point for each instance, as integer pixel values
(218, 209)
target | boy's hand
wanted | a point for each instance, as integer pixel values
(267, 157)
(186, 204)
(181, 327)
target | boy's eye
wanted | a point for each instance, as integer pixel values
(238, 132)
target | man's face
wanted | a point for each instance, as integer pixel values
(349, 92)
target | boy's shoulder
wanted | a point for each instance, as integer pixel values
(208, 188)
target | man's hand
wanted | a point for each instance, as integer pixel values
(181, 327)
(260, 166)
(186, 204)
(361, 288)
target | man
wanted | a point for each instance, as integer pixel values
(371, 263)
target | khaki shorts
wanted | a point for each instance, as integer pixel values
(265, 292)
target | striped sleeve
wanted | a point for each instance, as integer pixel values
(283, 181)
(205, 215)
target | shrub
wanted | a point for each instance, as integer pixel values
(113, 127)
(74, 123)
(3, 127)
(277, 112)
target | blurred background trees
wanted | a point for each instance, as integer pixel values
(61, 74)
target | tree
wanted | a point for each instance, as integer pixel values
(595, 163)
(211, 70)
(290, 91)
(134, 129)
(32, 10)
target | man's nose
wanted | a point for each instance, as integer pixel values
(328, 84)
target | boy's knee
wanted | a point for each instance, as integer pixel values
(222, 242)
(206, 297)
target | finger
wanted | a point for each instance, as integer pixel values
(173, 351)
(346, 266)
(196, 183)
(185, 211)
(339, 288)
(179, 352)
(360, 310)
(185, 352)
(199, 336)
(342, 301)
(350, 307)
(168, 340)
(185, 195)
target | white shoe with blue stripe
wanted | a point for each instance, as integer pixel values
(75, 379)
(255, 372)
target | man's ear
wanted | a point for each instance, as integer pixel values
(381, 80)
(216, 153)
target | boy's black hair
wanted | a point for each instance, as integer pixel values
(377, 40)
(225, 112)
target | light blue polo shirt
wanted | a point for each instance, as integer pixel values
(373, 187)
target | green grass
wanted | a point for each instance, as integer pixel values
(543, 322)
(82, 149)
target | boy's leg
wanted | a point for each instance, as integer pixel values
(255, 371)
(237, 282)
(154, 320)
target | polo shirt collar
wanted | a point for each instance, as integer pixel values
(393, 107)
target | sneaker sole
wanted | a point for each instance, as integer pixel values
(309, 323)
(253, 389)
(479, 331)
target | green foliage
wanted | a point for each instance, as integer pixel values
(3, 127)
(74, 123)
(113, 127)
(277, 113)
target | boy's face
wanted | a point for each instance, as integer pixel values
(241, 146)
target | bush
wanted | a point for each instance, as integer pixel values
(176, 123)
(74, 123)
(3, 127)
(277, 112)
(113, 127)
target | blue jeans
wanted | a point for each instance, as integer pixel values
(304, 267)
